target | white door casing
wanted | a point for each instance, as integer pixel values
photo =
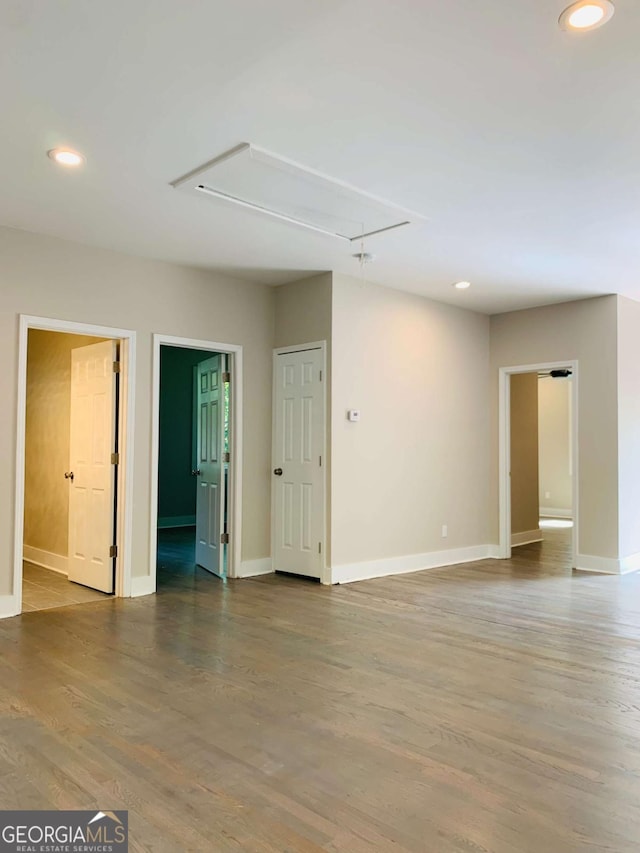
(504, 450)
(91, 472)
(210, 465)
(298, 448)
(234, 355)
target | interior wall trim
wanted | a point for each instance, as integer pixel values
(10, 605)
(46, 559)
(608, 565)
(555, 512)
(352, 572)
(526, 537)
(254, 568)
(177, 521)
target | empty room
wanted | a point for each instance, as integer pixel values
(320, 450)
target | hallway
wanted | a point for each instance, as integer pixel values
(176, 567)
(552, 555)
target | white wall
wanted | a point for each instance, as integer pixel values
(419, 458)
(554, 451)
(425, 451)
(629, 428)
(586, 331)
(54, 278)
(303, 311)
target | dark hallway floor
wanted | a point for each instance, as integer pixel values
(176, 566)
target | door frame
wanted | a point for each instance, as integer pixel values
(234, 351)
(325, 569)
(504, 449)
(124, 519)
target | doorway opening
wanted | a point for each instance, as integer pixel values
(538, 459)
(196, 454)
(73, 469)
(193, 464)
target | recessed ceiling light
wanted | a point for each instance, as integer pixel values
(462, 285)
(66, 157)
(586, 15)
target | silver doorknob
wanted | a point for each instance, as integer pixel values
(277, 472)
(196, 473)
(68, 475)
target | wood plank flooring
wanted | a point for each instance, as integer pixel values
(488, 707)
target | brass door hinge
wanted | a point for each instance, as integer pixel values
(224, 538)
(116, 367)
(226, 457)
(113, 551)
(115, 458)
(226, 376)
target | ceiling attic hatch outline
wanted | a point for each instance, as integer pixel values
(263, 182)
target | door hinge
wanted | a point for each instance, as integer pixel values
(320, 462)
(226, 457)
(224, 538)
(115, 458)
(319, 547)
(116, 367)
(320, 376)
(226, 376)
(113, 551)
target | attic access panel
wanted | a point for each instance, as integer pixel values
(266, 183)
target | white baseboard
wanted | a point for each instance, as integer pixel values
(177, 521)
(145, 585)
(46, 559)
(607, 565)
(630, 564)
(526, 537)
(9, 606)
(255, 568)
(555, 512)
(412, 563)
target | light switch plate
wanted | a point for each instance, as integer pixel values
(353, 415)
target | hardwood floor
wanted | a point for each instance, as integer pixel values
(488, 707)
(176, 567)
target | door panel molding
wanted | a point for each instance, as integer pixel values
(126, 425)
(235, 354)
(210, 495)
(93, 437)
(286, 450)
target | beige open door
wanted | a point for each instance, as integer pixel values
(210, 465)
(91, 472)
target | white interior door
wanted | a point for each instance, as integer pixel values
(91, 473)
(210, 465)
(298, 472)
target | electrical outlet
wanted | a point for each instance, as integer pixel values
(445, 531)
